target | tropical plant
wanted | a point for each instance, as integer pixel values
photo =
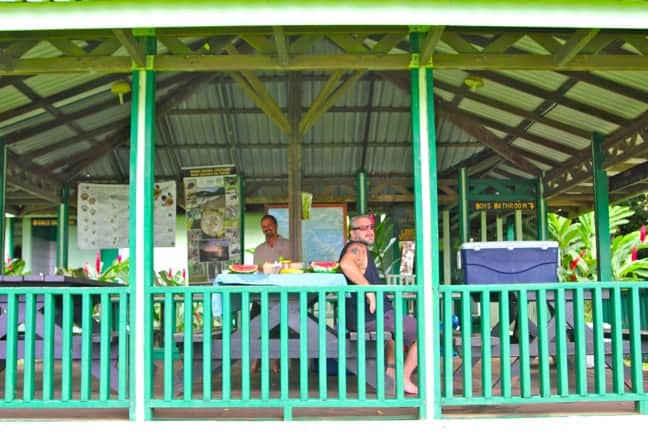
(385, 246)
(577, 244)
(14, 266)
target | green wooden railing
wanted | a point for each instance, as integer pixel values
(205, 362)
(72, 345)
(64, 347)
(547, 353)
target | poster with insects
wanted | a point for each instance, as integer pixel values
(103, 215)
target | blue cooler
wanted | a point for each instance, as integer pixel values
(504, 262)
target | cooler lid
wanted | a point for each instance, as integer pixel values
(510, 245)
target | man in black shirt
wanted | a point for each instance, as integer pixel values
(359, 268)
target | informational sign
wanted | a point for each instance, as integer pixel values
(103, 215)
(503, 205)
(213, 220)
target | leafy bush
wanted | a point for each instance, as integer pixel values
(577, 244)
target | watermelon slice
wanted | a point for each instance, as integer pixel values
(239, 268)
(324, 266)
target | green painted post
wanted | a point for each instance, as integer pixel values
(601, 210)
(108, 257)
(241, 192)
(9, 237)
(427, 230)
(464, 221)
(142, 175)
(362, 200)
(63, 228)
(510, 228)
(541, 211)
(3, 194)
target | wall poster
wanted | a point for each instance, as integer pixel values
(103, 215)
(213, 205)
(323, 234)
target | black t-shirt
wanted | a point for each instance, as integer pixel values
(373, 277)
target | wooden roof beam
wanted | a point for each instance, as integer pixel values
(133, 47)
(573, 46)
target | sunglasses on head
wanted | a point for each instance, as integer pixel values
(364, 227)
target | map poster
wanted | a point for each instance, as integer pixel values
(323, 234)
(213, 224)
(103, 215)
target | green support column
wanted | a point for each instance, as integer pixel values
(63, 228)
(464, 221)
(9, 237)
(3, 194)
(108, 256)
(510, 228)
(142, 178)
(541, 211)
(601, 210)
(427, 231)
(362, 200)
(241, 192)
(447, 247)
(26, 242)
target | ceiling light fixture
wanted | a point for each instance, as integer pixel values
(473, 82)
(120, 88)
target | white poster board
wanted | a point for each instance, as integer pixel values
(103, 215)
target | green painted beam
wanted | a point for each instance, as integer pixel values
(198, 13)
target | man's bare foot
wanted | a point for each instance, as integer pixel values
(274, 366)
(255, 366)
(410, 388)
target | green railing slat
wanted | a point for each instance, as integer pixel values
(265, 345)
(466, 343)
(380, 346)
(207, 345)
(188, 353)
(303, 345)
(636, 370)
(579, 337)
(599, 352)
(321, 333)
(362, 349)
(66, 360)
(543, 342)
(398, 335)
(168, 344)
(245, 346)
(448, 368)
(104, 347)
(123, 331)
(12, 346)
(523, 339)
(283, 342)
(227, 337)
(29, 341)
(561, 342)
(505, 346)
(485, 336)
(86, 346)
(617, 341)
(341, 358)
(48, 347)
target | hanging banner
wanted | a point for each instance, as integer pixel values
(103, 215)
(213, 220)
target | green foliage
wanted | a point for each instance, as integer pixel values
(118, 272)
(14, 266)
(115, 273)
(577, 244)
(385, 246)
(177, 279)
